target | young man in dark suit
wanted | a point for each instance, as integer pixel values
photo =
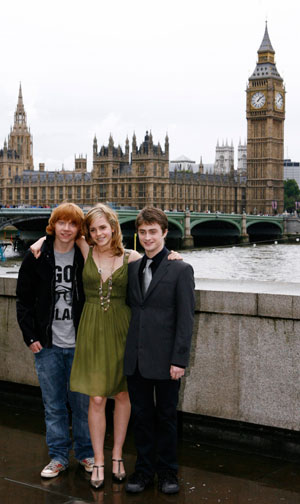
(161, 297)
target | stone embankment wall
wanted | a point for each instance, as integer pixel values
(292, 225)
(245, 355)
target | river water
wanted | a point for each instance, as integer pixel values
(264, 263)
(271, 263)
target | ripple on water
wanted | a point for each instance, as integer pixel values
(272, 263)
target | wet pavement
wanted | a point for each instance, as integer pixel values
(207, 475)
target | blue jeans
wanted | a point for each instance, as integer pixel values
(53, 367)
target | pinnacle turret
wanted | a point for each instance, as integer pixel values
(20, 139)
(20, 114)
(266, 45)
(265, 67)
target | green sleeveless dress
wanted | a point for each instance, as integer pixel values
(98, 362)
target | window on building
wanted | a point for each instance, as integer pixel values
(9, 194)
(162, 191)
(9, 171)
(142, 190)
(34, 195)
(43, 194)
(18, 195)
(70, 196)
(115, 191)
(102, 170)
(122, 191)
(141, 169)
(52, 193)
(129, 191)
(102, 191)
(88, 193)
(155, 191)
(61, 193)
(155, 170)
(162, 171)
(26, 193)
(78, 192)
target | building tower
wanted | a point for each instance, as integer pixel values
(224, 158)
(242, 158)
(265, 121)
(150, 172)
(20, 139)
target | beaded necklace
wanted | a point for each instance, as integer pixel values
(105, 300)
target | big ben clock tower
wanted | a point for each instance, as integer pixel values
(265, 120)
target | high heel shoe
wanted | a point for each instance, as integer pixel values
(118, 476)
(97, 483)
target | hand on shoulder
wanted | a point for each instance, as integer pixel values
(134, 256)
(174, 256)
(37, 246)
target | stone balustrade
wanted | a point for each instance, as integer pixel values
(245, 354)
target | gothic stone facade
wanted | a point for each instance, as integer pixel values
(124, 180)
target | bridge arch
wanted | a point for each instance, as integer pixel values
(264, 231)
(201, 220)
(31, 223)
(215, 231)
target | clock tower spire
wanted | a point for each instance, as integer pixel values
(265, 135)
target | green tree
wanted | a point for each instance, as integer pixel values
(291, 194)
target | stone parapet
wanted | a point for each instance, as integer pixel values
(245, 352)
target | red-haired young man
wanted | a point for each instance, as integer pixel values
(50, 298)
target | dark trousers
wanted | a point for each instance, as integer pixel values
(154, 417)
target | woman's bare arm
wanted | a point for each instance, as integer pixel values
(134, 256)
(84, 246)
(37, 246)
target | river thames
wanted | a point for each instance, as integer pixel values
(265, 263)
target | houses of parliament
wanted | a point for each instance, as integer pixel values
(141, 175)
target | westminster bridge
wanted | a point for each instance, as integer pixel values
(185, 228)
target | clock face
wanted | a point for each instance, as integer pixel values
(258, 100)
(279, 100)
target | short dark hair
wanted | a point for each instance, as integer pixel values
(151, 215)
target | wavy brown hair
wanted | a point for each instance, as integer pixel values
(101, 210)
(66, 212)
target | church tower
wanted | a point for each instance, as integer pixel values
(20, 139)
(265, 135)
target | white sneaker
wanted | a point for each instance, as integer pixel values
(88, 464)
(52, 469)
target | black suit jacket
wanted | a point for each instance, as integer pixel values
(161, 325)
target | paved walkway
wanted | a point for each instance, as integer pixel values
(207, 475)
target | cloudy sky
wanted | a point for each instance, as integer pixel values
(119, 66)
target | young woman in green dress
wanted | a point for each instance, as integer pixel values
(98, 363)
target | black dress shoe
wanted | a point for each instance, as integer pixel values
(168, 483)
(137, 482)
